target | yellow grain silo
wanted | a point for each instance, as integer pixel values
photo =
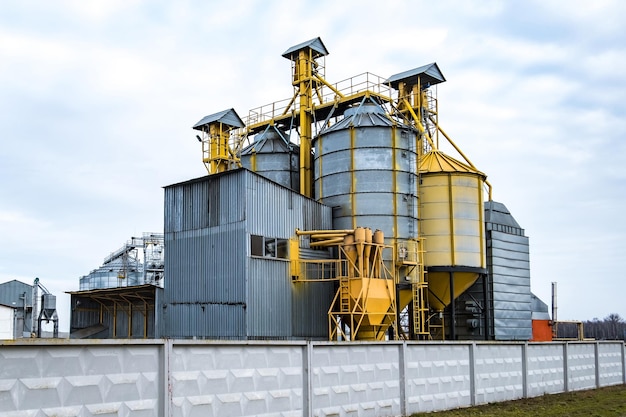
(451, 223)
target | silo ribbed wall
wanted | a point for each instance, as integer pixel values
(365, 168)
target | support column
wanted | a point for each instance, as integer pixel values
(452, 308)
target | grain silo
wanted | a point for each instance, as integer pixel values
(452, 226)
(273, 156)
(345, 208)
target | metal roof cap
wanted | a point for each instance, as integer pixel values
(315, 44)
(228, 117)
(430, 75)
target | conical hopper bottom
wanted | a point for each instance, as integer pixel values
(439, 287)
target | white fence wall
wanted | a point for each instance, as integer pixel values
(210, 378)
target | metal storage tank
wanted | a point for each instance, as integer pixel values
(113, 275)
(273, 156)
(365, 168)
(451, 203)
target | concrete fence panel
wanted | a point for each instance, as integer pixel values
(498, 372)
(545, 369)
(358, 379)
(236, 379)
(610, 369)
(437, 377)
(81, 380)
(176, 378)
(581, 363)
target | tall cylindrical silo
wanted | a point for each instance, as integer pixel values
(452, 225)
(274, 157)
(365, 168)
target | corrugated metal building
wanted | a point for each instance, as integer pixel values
(508, 298)
(116, 313)
(18, 295)
(227, 260)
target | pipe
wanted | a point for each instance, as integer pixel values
(312, 232)
(487, 183)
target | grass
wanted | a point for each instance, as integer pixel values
(602, 402)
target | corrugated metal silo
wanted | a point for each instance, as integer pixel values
(365, 168)
(274, 157)
(451, 202)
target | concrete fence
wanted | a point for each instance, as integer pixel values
(209, 378)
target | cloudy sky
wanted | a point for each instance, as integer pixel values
(97, 100)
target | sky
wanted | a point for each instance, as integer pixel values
(97, 100)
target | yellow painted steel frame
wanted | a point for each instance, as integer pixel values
(365, 300)
(217, 154)
(304, 82)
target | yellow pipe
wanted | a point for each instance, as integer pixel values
(352, 176)
(323, 81)
(462, 154)
(328, 235)
(329, 242)
(312, 232)
(419, 124)
(293, 99)
(303, 74)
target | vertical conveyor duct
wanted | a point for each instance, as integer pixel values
(305, 82)
(217, 153)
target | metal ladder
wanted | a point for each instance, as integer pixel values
(344, 295)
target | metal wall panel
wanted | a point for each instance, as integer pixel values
(16, 292)
(610, 364)
(498, 372)
(545, 369)
(276, 211)
(214, 288)
(268, 311)
(582, 366)
(508, 263)
(310, 305)
(236, 380)
(437, 377)
(86, 380)
(205, 289)
(355, 379)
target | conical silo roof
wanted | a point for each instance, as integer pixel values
(437, 161)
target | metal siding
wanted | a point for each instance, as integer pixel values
(310, 305)
(205, 292)
(276, 212)
(11, 291)
(268, 309)
(381, 161)
(508, 263)
(211, 291)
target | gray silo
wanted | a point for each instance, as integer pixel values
(275, 157)
(365, 168)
